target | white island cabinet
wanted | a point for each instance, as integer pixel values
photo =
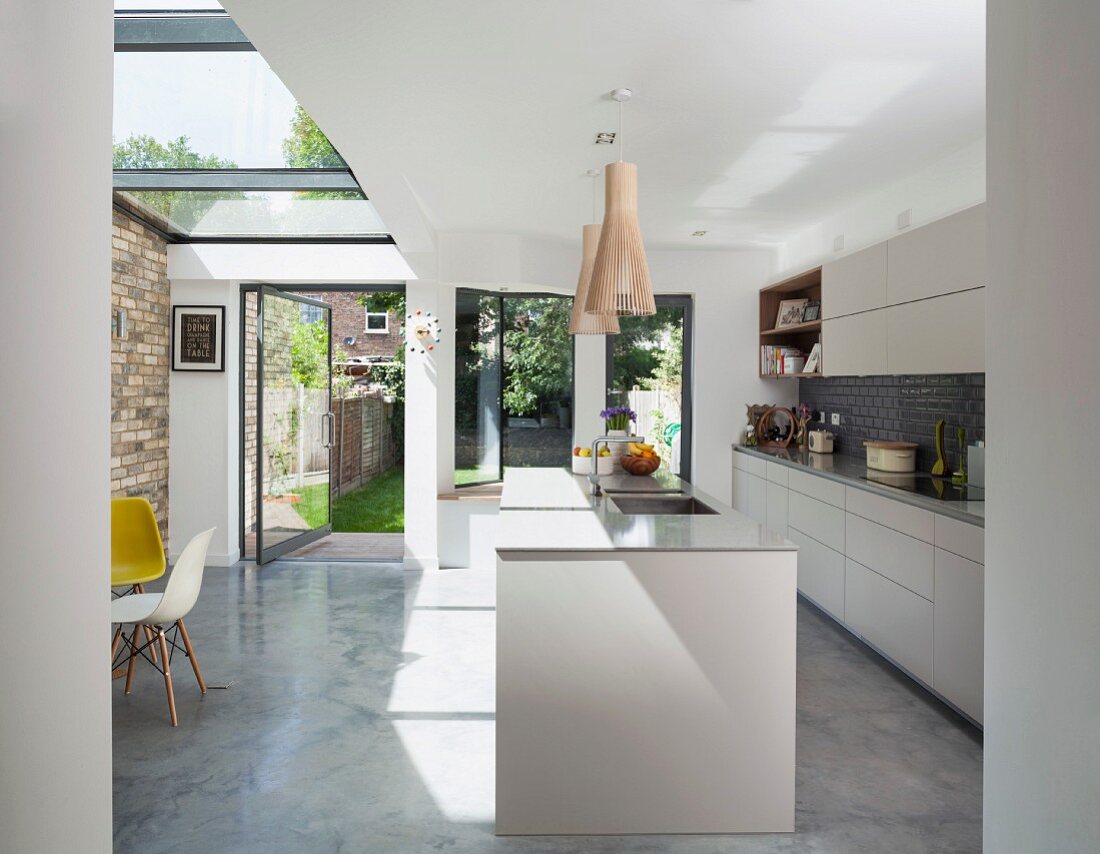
(645, 665)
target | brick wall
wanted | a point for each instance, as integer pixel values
(901, 408)
(349, 320)
(139, 366)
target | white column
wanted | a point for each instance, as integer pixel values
(590, 387)
(204, 436)
(1042, 586)
(424, 376)
(55, 228)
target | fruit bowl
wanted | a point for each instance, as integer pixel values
(583, 465)
(640, 465)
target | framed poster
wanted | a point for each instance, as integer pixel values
(198, 338)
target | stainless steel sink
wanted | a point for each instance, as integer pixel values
(660, 505)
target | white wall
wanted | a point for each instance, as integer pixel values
(55, 228)
(950, 184)
(204, 436)
(302, 263)
(1042, 629)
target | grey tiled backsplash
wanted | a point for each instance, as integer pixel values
(903, 409)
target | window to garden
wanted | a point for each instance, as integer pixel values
(513, 383)
(378, 321)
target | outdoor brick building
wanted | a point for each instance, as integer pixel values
(350, 321)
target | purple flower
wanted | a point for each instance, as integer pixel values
(618, 417)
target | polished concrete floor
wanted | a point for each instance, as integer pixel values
(358, 717)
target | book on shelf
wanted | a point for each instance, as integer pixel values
(772, 357)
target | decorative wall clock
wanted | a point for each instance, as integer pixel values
(421, 331)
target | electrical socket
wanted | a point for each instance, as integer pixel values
(836, 419)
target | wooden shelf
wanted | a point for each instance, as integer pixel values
(789, 376)
(810, 326)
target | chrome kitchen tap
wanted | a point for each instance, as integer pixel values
(594, 475)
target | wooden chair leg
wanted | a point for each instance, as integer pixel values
(115, 642)
(133, 659)
(149, 636)
(167, 673)
(191, 655)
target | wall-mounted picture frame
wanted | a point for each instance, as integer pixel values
(811, 311)
(198, 338)
(790, 312)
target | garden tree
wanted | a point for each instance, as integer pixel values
(307, 147)
(391, 377)
(140, 151)
(537, 366)
(309, 363)
(640, 344)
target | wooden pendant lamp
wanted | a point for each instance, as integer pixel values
(580, 322)
(620, 274)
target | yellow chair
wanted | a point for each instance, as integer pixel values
(137, 553)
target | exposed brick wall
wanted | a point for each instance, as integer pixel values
(139, 366)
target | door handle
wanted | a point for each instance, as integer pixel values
(328, 429)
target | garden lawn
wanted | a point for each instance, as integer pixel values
(377, 508)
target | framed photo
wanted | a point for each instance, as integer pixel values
(813, 361)
(198, 338)
(811, 311)
(790, 312)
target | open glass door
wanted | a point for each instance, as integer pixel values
(294, 424)
(649, 369)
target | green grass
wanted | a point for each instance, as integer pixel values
(377, 508)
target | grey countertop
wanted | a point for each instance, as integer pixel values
(550, 509)
(850, 471)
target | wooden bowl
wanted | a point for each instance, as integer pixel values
(640, 465)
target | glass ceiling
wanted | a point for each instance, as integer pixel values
(209, 143)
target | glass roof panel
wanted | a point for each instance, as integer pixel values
(210, 110)
(280, 214)
(205, 6)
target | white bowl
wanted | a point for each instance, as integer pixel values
(583, 465)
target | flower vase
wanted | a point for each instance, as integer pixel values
(617, 449)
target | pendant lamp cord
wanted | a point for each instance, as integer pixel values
(622, 139)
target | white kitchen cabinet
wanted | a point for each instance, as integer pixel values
(750, 495)
(942, 257)
(823, 522)
(777, 507)
(960, 538)
(892, 554)
(891, 618)
(906, 518)
(959, 626)
(778, 473)
(820, 573)
(941, 335)
(816, 486)
(854, 283)
(854, 345)
(751, 464)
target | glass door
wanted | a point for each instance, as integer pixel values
(294, 422)
(649, 369)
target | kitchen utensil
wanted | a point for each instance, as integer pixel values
(891, 456)
(640, 465)
(821, 442)
(940, 466)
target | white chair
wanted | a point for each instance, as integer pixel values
(167, 609)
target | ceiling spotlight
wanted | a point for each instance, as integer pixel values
(698, 234)
(605, 137)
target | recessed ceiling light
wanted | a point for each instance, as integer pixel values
(698, 234)
(605, 137)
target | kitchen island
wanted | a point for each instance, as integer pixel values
(645, 661)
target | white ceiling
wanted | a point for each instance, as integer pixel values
(752, 119)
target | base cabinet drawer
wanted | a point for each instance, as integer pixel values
(821, 521)
(959, 628)
(750, 495)
(893, 619)
(820, 573)
(777, 508)
(899, 557)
